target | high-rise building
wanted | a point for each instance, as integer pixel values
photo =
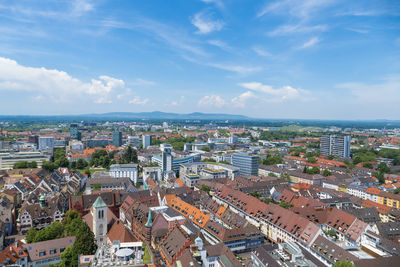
(166, 157)
(335, 145)
(117, 138)
(247, 164)
(146, 141)
(46, 142)
(33, 139)
(74, 132)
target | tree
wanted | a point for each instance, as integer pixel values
(256, 194)
(312, 160)
(21, 165)
(205, 188)
(331, 157)
(55, 230)
(81, 164)
(206, 148)
(49, 166)
(326, 173)
(271, 174)
(130, 155)
(272, 160)
(368, 165)
(286, 176)
(32, 164)
(382, 167)
(344, 263)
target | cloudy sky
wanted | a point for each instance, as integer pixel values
(311, 59)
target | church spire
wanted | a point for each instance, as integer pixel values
(149, 220)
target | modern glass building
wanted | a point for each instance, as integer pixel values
(247, 164)
(117, 138)
(146, 141)
(74, 132)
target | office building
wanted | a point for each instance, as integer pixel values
(46, 142)
(166, 157)
(91, 143)
(125, 170)
(335, 145)
(233, 140)
(74, 132)
(247, 164)
(117, 138)
(146, 140)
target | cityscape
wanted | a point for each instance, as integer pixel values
(204, 133)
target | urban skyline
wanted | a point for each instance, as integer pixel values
(269, 59)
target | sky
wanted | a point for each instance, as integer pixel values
(300, 59)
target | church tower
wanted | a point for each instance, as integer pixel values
(99, 214)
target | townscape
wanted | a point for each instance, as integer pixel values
(198, 193)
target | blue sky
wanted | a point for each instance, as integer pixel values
(309, 59)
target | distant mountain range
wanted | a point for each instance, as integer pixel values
(155, 115)
(170, 116)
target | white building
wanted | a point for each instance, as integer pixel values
(125, 170)
(146, 141)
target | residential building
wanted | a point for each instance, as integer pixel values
(247, 164)
(109, 183)
(335, 145)
(48, 252)
(117, 139)
(125, 170)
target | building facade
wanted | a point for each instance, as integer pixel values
(117, 139)
(335, 145)
(146, 141)
(247, 164)
(125, 170)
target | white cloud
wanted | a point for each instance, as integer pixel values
(211, 101)
(178, 102)
(80, 7)
(142, 82)
(363, 31)
(218, 3)
(269, 94)
(243, 70)
(56, 85)
(383, 93)
(220, 44)
(261, 51)
(313, 41)
(137, 100)
(240, 101)
(205, 24)
(301, 9)
(289, 29)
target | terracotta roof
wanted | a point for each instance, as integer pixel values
(13, 253)
(187, 210)
(373, 191)
(119, 232)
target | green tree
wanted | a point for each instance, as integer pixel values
(312, 160)
(53, 231)
(21, 165)
(130, 155)
(49, 166)
(326, 173)
(206, 148)
(331, 157)
(32, 164)
(81, 164)
(344, 263)
(205, 188)
(368, 165)
(382, 167)
(272, 160)
(256, 194)
(286, 176)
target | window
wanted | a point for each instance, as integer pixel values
(42, 253)
(53, 251)
(62, 249)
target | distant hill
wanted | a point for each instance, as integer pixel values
(170, 116)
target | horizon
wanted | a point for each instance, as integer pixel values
(284, 59)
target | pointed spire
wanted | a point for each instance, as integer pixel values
(149, 220)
